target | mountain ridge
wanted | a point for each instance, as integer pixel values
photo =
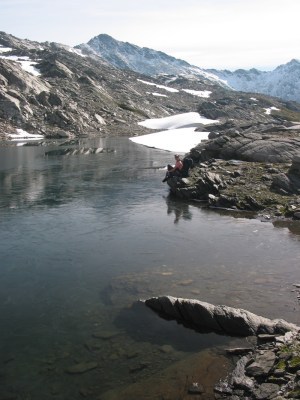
(282, 82)
(143, 60)
(57, 91)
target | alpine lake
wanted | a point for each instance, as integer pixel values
(85, 237)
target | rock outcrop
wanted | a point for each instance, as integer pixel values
(251, 168)
(205, 317)
(273, 147)
(270, 190)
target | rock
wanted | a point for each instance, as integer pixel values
(106, 335)
(239, 350)
(166, 348)
(296, 215)
(238, 378)
(262, 364)
(206, 317)
(295, 167)
(256, 373)
(266, 391)
(81, 368)
(251, 147)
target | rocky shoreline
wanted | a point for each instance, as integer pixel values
(269, 370)
(246, 171)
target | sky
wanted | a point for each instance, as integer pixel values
(221, 34)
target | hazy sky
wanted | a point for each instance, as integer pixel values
(208, 33)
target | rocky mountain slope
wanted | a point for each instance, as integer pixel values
(282, 82)
(56, 91)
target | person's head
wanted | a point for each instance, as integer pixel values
(177, 157)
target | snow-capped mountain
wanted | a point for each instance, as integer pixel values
(54, 90)
(143, 60)
(283, 81)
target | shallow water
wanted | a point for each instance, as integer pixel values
(83, 237)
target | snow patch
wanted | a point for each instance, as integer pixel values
(5, 49)
(76, 51)
(26, 64)
(157, 94)
(269, 110)
(175, 140)
(199, 93)
(177, 121)
(159, 86)
(179, 132)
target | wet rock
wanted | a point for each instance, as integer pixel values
(106, 335)
(239, 350)
(138, 367)
(166, 349)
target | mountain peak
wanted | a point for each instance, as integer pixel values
(143, 60)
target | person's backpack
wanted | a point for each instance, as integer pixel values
(187, 164)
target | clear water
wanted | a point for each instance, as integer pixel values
(83, 237)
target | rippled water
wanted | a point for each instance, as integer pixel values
(83, 237)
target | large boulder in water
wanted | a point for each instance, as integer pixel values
(205, 317)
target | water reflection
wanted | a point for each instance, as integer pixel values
(292, 226)
(179, 208)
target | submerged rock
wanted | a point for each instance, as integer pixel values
(81, 368)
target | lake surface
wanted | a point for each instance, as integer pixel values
(84, 237)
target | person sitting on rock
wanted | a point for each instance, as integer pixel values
(174, 170)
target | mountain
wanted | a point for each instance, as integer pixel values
(58, 91)
(143, 60)
(53, 89)
(283, 81)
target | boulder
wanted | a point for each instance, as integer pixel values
(205, 317)
(295, 167)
